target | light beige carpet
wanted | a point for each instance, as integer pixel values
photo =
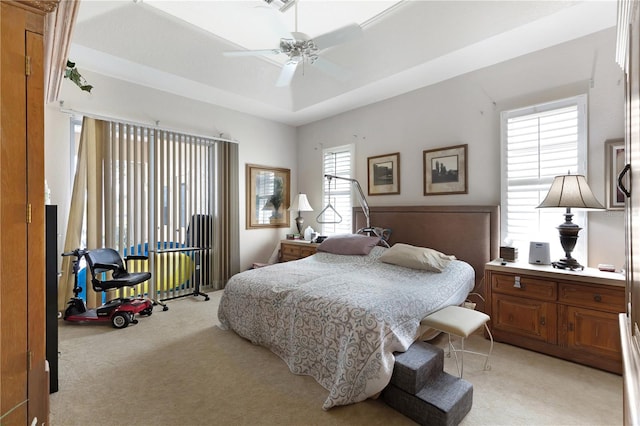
(178, 368)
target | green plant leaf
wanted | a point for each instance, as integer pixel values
(72, 73)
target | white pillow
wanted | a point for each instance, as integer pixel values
(416, 257)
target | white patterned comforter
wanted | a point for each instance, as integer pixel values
(339, 318)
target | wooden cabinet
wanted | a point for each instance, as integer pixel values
(296, 249)
(529, 318)
(24, 383)
(568, 314)
(628, 48)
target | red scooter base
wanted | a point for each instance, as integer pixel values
(120, 312)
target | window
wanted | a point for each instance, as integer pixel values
(539, 143)
(336, 193)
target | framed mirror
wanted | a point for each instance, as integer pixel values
(268, 197)
(614, 163)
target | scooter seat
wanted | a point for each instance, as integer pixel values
(107, 259)
(124, 279)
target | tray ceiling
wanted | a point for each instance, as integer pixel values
(178, 46)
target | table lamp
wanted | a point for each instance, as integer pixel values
(570, 191)
(302, 205)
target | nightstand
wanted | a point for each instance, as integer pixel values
(568, 314)
(296, 249)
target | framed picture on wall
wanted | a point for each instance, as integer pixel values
(445, 170)
(614, 163)
(383, 172)
(268, 197)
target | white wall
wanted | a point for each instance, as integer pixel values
(260, 142)
(467, 110)
(462, 110)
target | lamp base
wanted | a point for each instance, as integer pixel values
(568, 263)
(299, 223)
(568, 239)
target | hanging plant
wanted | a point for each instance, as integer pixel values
(72, 73)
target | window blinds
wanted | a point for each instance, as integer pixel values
(539, 143)
(148, 191)
(337, 162)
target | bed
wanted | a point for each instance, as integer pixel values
(339, 318)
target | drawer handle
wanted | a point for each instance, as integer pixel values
(570, 326)
(542, 321)
(517, 283)
(597, 298)
(621, 186)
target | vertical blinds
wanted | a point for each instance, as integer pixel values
(167, 195)
(542, 142)
(155, 183)
(337, 162)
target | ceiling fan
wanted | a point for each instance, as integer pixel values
(300, 48)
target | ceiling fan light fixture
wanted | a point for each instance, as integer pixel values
(300, 48)
(287, 45)
(282, 5)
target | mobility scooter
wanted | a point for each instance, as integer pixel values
(119, 311)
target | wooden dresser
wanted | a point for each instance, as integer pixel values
(569, 314)
(296, 249)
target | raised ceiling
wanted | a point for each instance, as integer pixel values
(406, 45)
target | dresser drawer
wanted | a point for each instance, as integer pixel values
(307, 251)
(290, 250)
(523, 286)
(603, 298)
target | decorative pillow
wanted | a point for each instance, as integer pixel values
(348, 244)
(416, 257)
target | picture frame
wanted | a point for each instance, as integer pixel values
(614, 163)
(268, 196)
(445, 170)
(383, 174)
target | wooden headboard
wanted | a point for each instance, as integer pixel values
(471, 233)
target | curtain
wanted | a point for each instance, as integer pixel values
(148, 191)
(228, 226)
(83, 199)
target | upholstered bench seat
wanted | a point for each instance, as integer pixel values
(461, 322)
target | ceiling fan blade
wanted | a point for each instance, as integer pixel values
(252, 52)
(286, 75)
(340, 35)
(332, 69)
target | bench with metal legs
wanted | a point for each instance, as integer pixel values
(461, 322)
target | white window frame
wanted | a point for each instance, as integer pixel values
(339, 188)
(547, 219)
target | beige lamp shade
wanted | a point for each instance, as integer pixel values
(301, 204)
(571, 191)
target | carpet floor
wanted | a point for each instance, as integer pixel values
(177, 367)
